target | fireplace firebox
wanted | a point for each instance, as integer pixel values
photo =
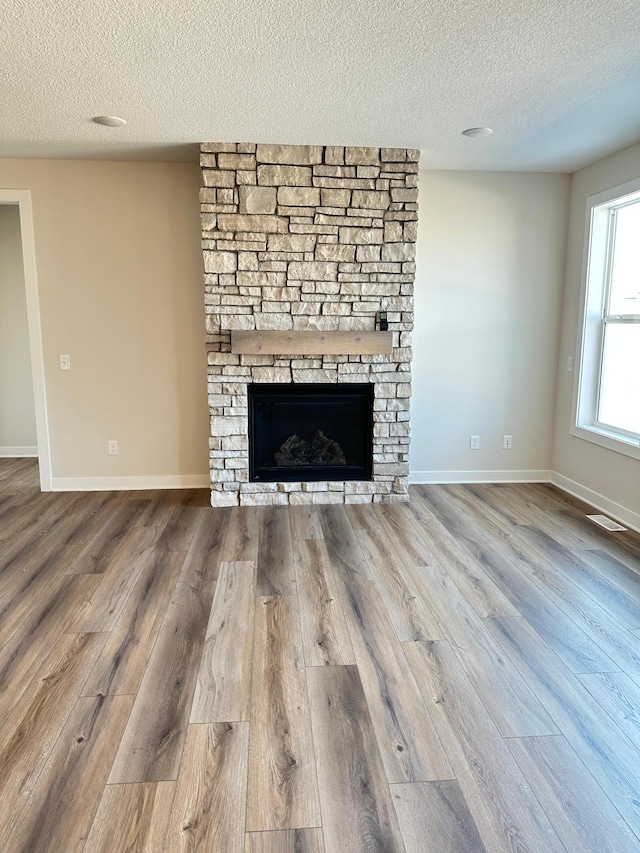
(307, 432)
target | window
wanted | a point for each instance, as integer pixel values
(607, 394)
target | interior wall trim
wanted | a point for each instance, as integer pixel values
(116, 484)
(522, 476)
(16, 451)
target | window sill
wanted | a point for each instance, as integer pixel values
(612, 441)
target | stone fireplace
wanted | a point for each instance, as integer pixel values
(308, 239)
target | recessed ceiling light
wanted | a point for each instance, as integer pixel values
(109, 121)
(477, 131)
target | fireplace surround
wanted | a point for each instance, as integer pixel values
(308, 239)
(310, 432)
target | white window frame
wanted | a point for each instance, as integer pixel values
(594, 295)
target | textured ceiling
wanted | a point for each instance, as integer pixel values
(557, 80)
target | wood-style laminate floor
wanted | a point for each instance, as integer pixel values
(456, 674)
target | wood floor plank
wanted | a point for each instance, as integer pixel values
(131, 818)
(344, 550)
(182, 525)
(160, 507)
(31, 577)
(617, 603)
(151, 747)
(408, 542)
(223, 687)
(557, 521)
(486, 517)
(60, 809)
(602, 644)
(357, 810)
(491, 781)
(34, 578)
(31, 730)
(22, 532)
(608, 753)
(619, 697)
(100, 550)
(276, 570)
(24, 469)
(496, 496)
(241, 542)
(476, 586)
(432, 627)
(122, 662)
(526, 512)
(56, 681)
(409, 612)
(207, 545)
(409, 745)
(581, 814)
(594, 620)
(10, 466)
(283, 790)
(482, 500)
(536, 602)
(513, 707)
(325, 637)
(434, 818)
(209, 807)
(615, 571)
(285, 841)
(24, 652)
(623, 545)
(54, 547)
(581, 527)
(305, 522)
(117, 581)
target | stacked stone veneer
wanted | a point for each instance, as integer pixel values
(308, 237)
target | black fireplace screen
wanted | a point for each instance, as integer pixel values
(310, 432)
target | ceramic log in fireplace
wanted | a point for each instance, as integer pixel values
(310, 432)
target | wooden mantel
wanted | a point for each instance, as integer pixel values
(311, 343)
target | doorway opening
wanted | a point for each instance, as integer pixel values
(23, 413)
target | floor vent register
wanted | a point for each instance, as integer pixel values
(605, 522)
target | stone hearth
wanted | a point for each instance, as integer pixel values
(308, 238)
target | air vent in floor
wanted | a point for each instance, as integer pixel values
(605, 522)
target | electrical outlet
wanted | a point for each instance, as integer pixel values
(507, 442)
(474, 442)
(569, 364)
(65, 362)
(113, 447)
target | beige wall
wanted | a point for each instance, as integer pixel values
(612, 475)
(120, 282)
(490, 265)
(17, 410)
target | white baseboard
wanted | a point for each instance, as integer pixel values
(524, 476)
(117, 484)
(17, 451)
(620, 513)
